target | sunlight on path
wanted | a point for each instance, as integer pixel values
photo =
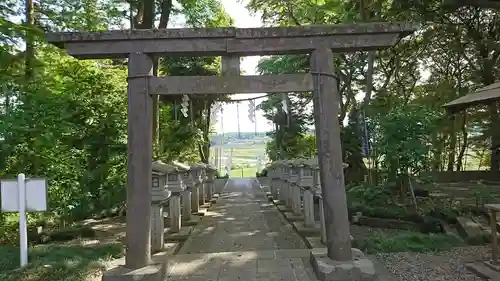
(242, 237)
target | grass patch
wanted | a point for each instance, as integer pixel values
(407, 241)
(56, 262)
(248, 172)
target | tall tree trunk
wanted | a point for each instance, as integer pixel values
(465, 142)
(204, 126)
(144, 19)
(437, 154)
(495, 137)
(453, 144)
(30, 45)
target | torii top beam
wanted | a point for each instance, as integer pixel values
(230, 40)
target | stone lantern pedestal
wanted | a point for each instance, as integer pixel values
(286, 186)
(210, 183)
(295, 192)
(175, 207)
(274, 177)
(202, 193)
(281, 183)
(189, 205)
(306, 183)
(160, 195)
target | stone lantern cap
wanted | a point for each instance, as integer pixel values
(197, 172)
(285, 172)
(173, 181)
(273, 171)
(305, 172)
(275, 164)
(159, 191)
(294, 170)
(162, 168)
(210, 173)
(181, 167)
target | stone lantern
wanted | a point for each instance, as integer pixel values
(317, 185)
(293, 178)
(295, 190)
(275, 177)
(159, 196)
(306, 182)
(202, 195)
(210, 182)
(285, 174)
(187, 201)
(196, 175)
(177, 187)
(316, 191)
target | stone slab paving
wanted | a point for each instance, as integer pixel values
(241, 220)
(261, 265)
(242, 237)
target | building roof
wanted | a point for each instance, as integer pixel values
(486, 95)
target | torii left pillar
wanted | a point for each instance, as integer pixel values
(140, 153)
(339, 262)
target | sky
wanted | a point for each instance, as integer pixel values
(243, 18)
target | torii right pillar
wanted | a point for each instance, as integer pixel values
(339, 262)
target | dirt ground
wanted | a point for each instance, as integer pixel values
(108, 230)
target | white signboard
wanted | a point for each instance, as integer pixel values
(23, 195)
(35, 195)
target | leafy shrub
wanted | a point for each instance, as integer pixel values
(378, 195)
(262, 173)
(386, 212)
(431, 225)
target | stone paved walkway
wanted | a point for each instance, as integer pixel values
(242, 237)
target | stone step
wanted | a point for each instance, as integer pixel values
(314, 242)
(468, 228)
(307, 231)
(481, 270)
(193, 220)
(446, 227)
(278, 202)
(172, 247)
(291, 217)
(491, 265)
(201, 211)
(178, 236)
(283, 208)
(206, 205)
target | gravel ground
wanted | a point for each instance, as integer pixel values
(440, 266)
(358, 231)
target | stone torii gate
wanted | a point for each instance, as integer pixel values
(232, 43)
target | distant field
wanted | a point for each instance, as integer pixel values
(244, 172)
(242, 157)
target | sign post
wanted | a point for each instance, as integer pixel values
(23, 195)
